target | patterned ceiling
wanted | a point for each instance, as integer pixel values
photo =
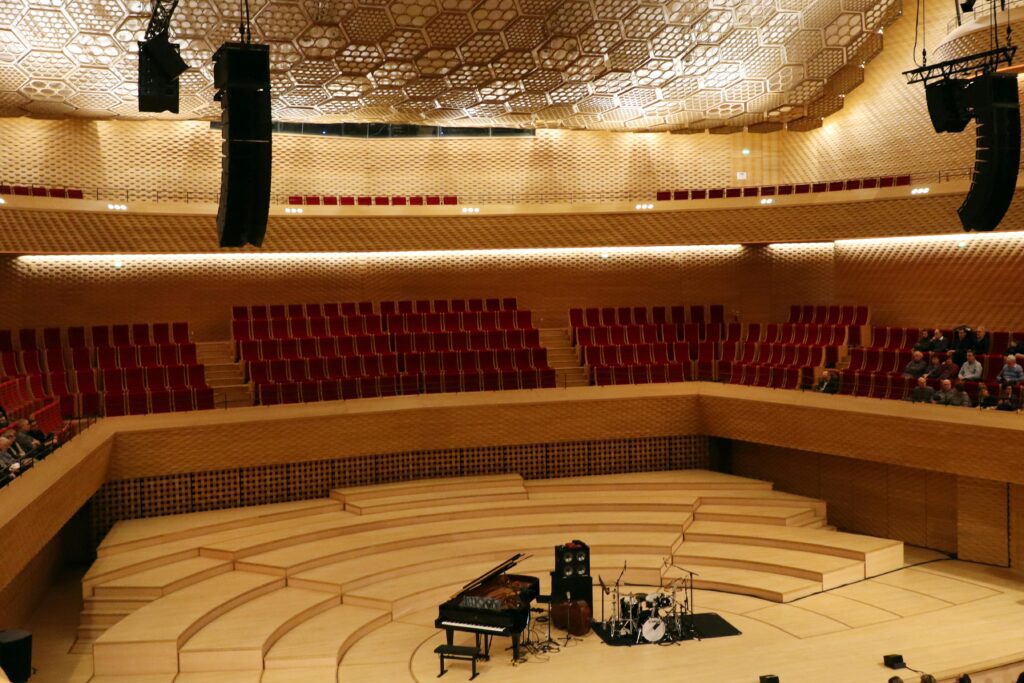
(682, 65)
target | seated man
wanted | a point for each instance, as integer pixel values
(1012, 373)
(960, 397)
(986, 401)
(934, 367)
(939, 343)
(1015, 347)
(971, 371)
(829, 382)
(917, 366)
(982, 342)
(1006, 400)
(924, 342)
(950, 370)
(922, 393)
(11, 463)
(945, 393)
(24, 439)
(36, 433)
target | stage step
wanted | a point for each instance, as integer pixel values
(423, 486)
(651, 482)
(323, 640)
(237, 640)
(828, 570)
(755, 514)
(153, 583)
(764, 585)
(879, 555)
(478, 493)
(147, 641)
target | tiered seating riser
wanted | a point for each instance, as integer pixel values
(828, 580)
(116, 592)
(271, 663)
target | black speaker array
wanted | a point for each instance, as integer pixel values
(16, 655)
(947, 105)
(242, 77)
(996, 105)
(571, 578)
(160, 64)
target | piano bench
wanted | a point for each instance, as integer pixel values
(467, 653)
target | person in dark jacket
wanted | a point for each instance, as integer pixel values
(964, 342)
(939, 343)
(917, 366)
(982, 341)
(829, 383)
(986, 401)
(922, 393)
(1006, 400)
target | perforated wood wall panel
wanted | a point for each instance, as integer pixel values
(983, 521)
(259, 485)
(915, 506)
(1017, 527)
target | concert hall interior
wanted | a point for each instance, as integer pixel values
(534, 340)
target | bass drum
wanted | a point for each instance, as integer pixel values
(653, 629)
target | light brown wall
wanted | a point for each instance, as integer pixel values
(915, 506)
(883, 128)
(983, 521)
(913, 284)
(21, 595)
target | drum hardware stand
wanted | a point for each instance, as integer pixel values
(568, 621)
(688, 600)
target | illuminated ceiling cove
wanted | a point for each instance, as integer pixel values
(682, 65)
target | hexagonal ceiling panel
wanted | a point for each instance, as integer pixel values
(685, 65)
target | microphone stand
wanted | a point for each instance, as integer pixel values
(688, 591)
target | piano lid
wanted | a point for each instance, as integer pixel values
(500, 569)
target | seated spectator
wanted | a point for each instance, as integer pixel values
(828, 383)
(964, 343)
(986, 401)
(1006, 401)
(11, 463)
(1012, 373)
(3, 417)
(971, 370)
(24, 439)
(1015, 347)
(950, 370)
(939, 344)
(945, 393)
(917, 366)
(960, 396)
(934, 367)
(982, 342)
(924, 342)
(922, 393)
(36, 433)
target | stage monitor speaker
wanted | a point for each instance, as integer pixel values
(768, 678)
(947, 105)
(242, 74)
(16, 655)
(572, 559)
(894, 661)
(996, 105)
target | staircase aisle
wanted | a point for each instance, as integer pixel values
(563, 358)
(224, 374)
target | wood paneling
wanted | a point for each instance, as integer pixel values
(982, 523)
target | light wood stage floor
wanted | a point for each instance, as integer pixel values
(346, 588)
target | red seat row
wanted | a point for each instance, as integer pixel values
(20, 396)
(773, 377)
(421, 342)
(407, 384)
(897, 387)
(79, 390)
(639, 374)
(36, 191)
(641, 315)
(368, 200)
(828, 315)
(159, 401)
(100, 335)
(335, 310)
(40, 362)
(388, 364)
(896, 338)
(783, 190)
(396, 323)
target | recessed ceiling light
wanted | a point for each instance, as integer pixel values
(745, 152)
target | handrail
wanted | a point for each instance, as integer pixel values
(120, 194)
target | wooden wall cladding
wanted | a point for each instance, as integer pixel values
(983, 521)
(915, 506)
(277, 483)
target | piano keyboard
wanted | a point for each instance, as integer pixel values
(473, 627)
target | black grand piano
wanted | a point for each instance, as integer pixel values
(495, 604)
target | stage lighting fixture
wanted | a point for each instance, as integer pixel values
(894, 661)
(967, 6)
(768, 678)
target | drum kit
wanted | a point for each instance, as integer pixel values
(663, 615)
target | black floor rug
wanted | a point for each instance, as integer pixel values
(707, 625)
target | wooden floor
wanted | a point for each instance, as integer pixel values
(347, 588)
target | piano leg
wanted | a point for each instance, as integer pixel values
(450, 636)
(515, 648)
(487, 646)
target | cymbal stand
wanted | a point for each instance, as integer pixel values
(688, 601)
(549, 644)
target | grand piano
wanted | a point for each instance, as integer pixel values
(494, 604)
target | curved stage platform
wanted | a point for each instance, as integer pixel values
(347, 588)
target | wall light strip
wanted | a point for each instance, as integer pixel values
(382, 255)
(924, 239)
(800, 245)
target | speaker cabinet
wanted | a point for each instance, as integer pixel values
(242, 75)
(571, 579)
(16, 655)
(996, 105)
(947, 105)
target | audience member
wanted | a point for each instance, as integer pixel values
(960, 396)
(922, 393)
(945, 393)
(1015, 347)
(10, 462)
(1006, 400)
(24, 439)
(964, 343)
(939, 343)
(1012, 372)
(982, 342)
(986, 401)
(934, 367)
(917, 366)
(971, 370)
(828, 383)
(950, 370)
(36, 433)
(924, 342)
